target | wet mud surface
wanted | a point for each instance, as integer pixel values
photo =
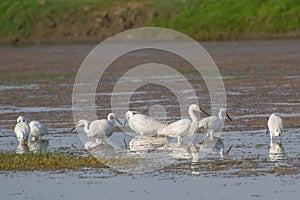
(260, 78)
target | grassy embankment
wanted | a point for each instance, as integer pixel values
(45, 21)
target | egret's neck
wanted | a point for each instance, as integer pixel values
(222, 115)
(194, 124)
(86, 127)
(111, 117)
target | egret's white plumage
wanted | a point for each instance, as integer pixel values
(212, 124)
(22, 131)
(182, 127)
(99, 129)
(142, 124)
(37, 129)
(275, 125)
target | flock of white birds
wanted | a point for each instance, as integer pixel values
(144, 126)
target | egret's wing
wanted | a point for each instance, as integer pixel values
(22, 128)
(212, 122)
(100, 128)
(176, 128)
(38, 127)
(43, 129)
(203, 123)
(145, 124)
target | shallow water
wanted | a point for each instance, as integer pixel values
(260, 78)
(102, 184)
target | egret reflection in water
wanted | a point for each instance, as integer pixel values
(22, 148)
(276, 151)
(145, 144)
(33, 146)
(212, 145)
(38, 145)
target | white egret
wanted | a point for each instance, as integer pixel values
(182, 127)
(142, 124)
(37, 129)
(99, 129)
(22, 131)
(212, 124)
(275, 125)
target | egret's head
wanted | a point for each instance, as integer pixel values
(21, 119)
(197, 108)
(128, 115)
(278, 131)
(194, 107)
(81, 122)
(112, 117)
(223, 114)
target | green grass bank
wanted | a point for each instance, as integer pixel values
(65, 21)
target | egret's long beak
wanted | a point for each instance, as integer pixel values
(73, 129)
(119, 121)
(228, 116)
(204, 111)
(125, 123)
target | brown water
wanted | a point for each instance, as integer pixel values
(261, 77)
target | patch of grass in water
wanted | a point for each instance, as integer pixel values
(46, 161)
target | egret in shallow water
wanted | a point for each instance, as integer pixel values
(99, 129)
(37, 129)
(212, 124)
(142, 124)
(275, 125)
(22, 131)
(182, 127)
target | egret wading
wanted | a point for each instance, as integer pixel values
(22, 130)
(99, 129)
(182, 127)
(37, 129)
(275, 125)
(212, 124)
(142, 124)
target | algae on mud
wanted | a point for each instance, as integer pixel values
(46, 161)
(11, 161)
